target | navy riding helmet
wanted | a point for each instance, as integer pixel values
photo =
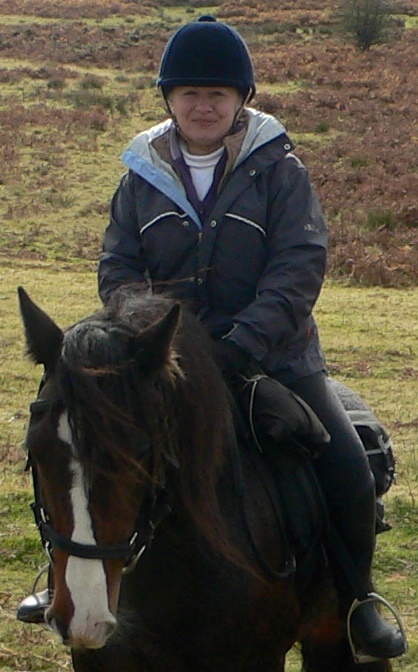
(207, 52)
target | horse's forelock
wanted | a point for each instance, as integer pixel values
(105, 393)
(97, 345)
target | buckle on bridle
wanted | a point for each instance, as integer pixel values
(160, 513)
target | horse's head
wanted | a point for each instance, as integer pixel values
(90, 440)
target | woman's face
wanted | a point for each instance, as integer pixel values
(204, 115)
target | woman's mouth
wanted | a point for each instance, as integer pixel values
(205, 122)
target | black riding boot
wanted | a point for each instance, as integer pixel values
(32, 609)
(351, 553)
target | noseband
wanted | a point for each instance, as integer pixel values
(152, 513)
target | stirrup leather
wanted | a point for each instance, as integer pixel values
(359, 656)
(41, 572)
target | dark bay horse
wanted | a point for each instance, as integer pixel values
(160, 530)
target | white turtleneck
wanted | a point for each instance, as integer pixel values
(202, 168)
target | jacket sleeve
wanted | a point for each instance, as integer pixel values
(121, 261)
(296, 264)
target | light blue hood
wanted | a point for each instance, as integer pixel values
(141, 157)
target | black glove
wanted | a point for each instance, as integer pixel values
(279, 416)
(231, 359)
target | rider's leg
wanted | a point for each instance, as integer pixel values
(344, 472)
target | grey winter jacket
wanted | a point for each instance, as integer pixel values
(253, 270)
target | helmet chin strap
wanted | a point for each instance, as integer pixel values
(242, 108)
(167, 104)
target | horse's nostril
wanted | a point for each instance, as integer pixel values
(109, 629)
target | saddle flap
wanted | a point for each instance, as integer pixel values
(289, 481)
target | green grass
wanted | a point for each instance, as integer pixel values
(141, 19)
(68, 294)
(410, 21)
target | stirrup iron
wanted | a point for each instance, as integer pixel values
(359, 656)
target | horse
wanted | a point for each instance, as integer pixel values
(165, 539)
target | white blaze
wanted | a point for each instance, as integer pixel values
(85, 579)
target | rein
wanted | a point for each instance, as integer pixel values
(155, 511)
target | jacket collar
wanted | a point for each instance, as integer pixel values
(258, 129)
(149, 153)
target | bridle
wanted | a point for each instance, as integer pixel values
(148, 520)
(153, 511)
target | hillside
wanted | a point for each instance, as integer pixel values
(77, 80)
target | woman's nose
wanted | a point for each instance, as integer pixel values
(204, 103)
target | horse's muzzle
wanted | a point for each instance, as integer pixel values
(93, 635)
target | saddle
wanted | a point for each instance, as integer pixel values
(290, 483)
(288, 474)
(287, 477)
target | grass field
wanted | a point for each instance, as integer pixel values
(76, 83)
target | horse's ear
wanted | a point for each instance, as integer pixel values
(43, 337)
(153, 346)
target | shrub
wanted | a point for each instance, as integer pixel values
(144, 82)
(381, 220)
(322, 127)
(269, 103)
(56, 83)
(359, 162)
(368, 22)
(86, 99)
(91, 82)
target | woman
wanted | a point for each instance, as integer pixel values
(217, 210)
